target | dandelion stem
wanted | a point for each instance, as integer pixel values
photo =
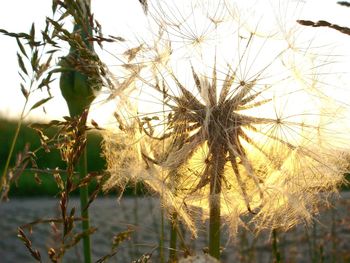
(136, 218)
(173, 238)
(84, 197)
(161, 238)
(217, 171)
(275, 250)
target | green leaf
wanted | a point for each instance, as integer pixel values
(40, 102)
(21, 64)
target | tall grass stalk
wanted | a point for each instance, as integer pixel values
(3, 180)
(84, 197)
(79, 94)
(32, 79)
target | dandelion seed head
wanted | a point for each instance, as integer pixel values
(123, 158)
(260, 120)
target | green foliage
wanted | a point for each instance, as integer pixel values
(45, 160)
(27, 184)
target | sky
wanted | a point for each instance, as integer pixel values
(121, 18)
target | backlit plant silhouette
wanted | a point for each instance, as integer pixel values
(243, 127)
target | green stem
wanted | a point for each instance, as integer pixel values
(78, 93)
(4, 175)
(275, 250)
(161, 238)
(217, 171)
(314, 242)
(3, 180)
(214, 226)
(173, 238)
(84, 197)
(136, 220)
(333, 235)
